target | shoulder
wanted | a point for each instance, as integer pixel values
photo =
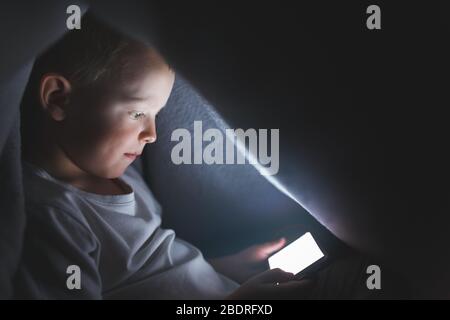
(46, 200)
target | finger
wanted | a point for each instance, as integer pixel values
(270, 247)
(274, 276)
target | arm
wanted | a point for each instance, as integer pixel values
(54, 240)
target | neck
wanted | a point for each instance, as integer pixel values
(47, 154)
(44, 152)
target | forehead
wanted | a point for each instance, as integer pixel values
(144, 76)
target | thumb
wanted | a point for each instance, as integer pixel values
(273, 246)
(274, 276)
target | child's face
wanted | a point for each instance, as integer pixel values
(102, 126)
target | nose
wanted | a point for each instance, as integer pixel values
(148, 135)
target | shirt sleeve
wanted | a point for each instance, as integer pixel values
(56, 247)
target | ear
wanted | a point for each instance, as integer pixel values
(54, 94)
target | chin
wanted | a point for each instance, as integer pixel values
(112, 173)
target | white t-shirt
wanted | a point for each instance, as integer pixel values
(115, 240)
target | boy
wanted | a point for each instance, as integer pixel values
(88, 111)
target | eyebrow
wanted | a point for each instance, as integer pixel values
(140, 99)
(131, 98)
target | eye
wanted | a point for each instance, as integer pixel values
(135, 115)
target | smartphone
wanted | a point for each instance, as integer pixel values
(298, 255)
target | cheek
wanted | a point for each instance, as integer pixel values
(101, 138)
(120, 136)
(105, 154)
(97, 142)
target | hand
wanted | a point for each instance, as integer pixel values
(273, 284)
(248, 262)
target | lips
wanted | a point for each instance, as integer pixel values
(132, 155)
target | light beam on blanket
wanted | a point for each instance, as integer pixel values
(241, 148)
